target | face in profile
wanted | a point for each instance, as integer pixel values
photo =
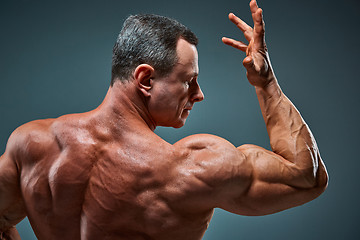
(173, 96)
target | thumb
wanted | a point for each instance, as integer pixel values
(248, 63)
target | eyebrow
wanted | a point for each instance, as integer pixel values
(190, 74)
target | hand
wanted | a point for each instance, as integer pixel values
(257, 61)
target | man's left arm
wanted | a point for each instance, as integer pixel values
(290, 137)
(250, 180)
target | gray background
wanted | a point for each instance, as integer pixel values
(55, 59)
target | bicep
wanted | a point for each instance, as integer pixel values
(273, 185)
(248, 180)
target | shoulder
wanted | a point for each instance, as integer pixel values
(217, 159)
(216, 167)
(31, 140)
(33, 132)
(207, 145)
(203, 141)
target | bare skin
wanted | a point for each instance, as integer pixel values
(106, 175)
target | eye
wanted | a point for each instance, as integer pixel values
(192, 80)
(188, 82)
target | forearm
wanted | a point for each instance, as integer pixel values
(290, 137)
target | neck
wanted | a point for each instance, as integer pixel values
(124, 107)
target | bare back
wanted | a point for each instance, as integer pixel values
(82, 184)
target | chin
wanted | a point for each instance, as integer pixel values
(176, 123)
(179, 124)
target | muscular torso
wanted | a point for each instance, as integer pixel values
(79, 182)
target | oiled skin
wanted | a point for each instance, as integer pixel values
(105, 174)
(110, 188)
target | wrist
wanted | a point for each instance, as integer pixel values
(271, 88)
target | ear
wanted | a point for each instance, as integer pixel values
(143, 75)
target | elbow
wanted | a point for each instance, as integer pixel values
(317, 177)
(322, 178)
(317, 180)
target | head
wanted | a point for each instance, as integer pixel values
(170, 98)
(158, 56)
(148, 39)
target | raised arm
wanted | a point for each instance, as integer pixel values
(11, 205)
(290, 137)
(293, 172)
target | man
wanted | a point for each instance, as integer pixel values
(105, 174)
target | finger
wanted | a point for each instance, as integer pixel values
(246, 29)
(259, 29)
(236, 44)
(253, 6)
(239, 23)
(259, 25)
(254, 9)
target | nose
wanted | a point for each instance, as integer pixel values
(197, 95)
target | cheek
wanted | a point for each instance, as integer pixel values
(168, 99)
(160, 105)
